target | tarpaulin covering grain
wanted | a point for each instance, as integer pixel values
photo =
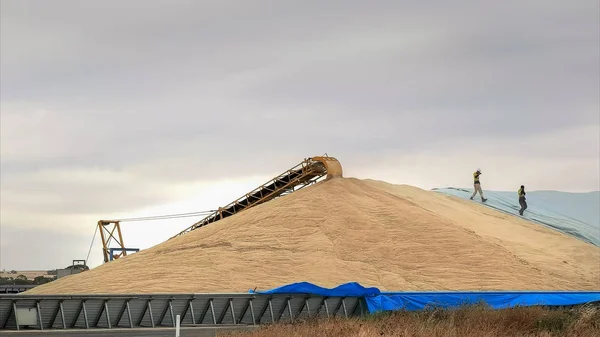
(554, 210)
(390, 301)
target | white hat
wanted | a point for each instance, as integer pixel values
(478, 170)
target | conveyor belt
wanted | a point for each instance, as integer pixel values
(307, 172)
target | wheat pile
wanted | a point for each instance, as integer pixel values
(389, 236)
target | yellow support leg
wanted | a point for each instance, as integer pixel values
(107, 234)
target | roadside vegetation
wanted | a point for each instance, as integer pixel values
(473, 321)
(23, 280)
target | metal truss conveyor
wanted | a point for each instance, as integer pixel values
(309, 171)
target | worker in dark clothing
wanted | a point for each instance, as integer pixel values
(522, 200)
(477, 186)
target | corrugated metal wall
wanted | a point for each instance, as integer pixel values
(137, 311)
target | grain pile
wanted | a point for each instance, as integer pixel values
(388, 236)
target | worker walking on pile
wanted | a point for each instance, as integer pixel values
(477, 186)
(522, 201)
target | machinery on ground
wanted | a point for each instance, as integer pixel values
(77, 267)
(307, 172)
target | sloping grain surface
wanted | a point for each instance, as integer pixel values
(389, 236)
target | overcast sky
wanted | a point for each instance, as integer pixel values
(127, 108)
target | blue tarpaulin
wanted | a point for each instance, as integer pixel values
(390, 301)
(496, 300)
(351, 289)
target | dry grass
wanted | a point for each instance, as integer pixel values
(475, 321)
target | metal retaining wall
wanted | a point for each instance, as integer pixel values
(43, 312)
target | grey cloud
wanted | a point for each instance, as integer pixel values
(61, 193)
(167, 93)
(58, 251)
(476, 67)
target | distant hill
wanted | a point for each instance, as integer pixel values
(576, 214)
(29, 274)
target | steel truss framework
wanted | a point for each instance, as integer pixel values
(150, 311)
(107, 234)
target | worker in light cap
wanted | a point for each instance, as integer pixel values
(522, 200)
(477, 186)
